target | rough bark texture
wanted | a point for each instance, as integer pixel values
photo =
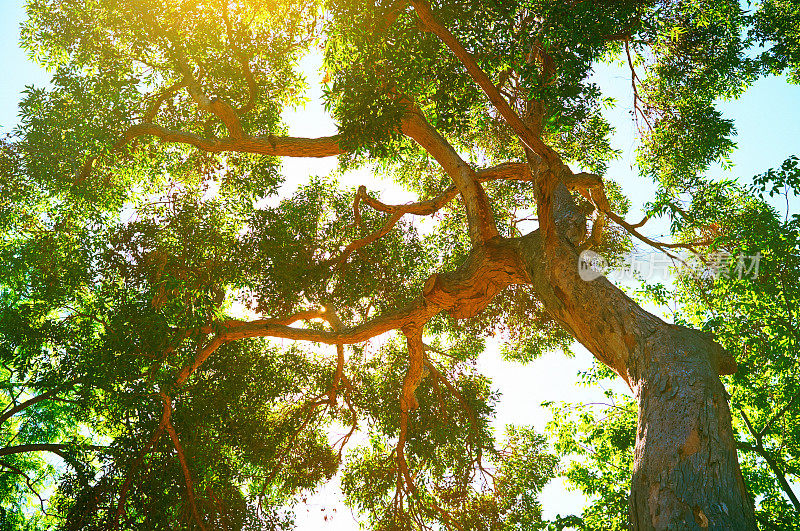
(686, 473)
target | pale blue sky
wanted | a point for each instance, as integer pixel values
(19, 70)
(768, 124)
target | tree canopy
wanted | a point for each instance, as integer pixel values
(184, 337)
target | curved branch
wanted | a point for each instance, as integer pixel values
(408, 400)
(422, 208)
(218, 341)
(658, 245)
(35, 400)
(462, 293)
(182, 458)
(508, 171)
(598, 197)
(366, 240)
(214, 104)
(480, 217)
(511, 171)
(531, 141)
(417, 311)
(276, 146)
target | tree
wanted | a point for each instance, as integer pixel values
(122, 263)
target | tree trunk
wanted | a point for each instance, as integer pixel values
(686, 473)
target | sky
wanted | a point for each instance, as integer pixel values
(767, 119)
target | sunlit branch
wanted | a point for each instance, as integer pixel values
(368, 239)
(213, 104)
(218, 341)
(276, 146)
(527, 136)
(598, 197)
(182, 458)
(509, 171)
(422, 208)
(480, 217)
(408, 399)
(35, 400)
(462, 293)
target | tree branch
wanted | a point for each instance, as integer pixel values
(777, 415)
(473, 421)
(366, 240)
(28, 482)
(218, 340)
(182, 458)
(480, 217)
(408, 400)
(598, 197)
(509, 171)
(214, 104)
(512, 171)
(58, 449)
(527, 136)
(773, 465)
(151, 112)
(463, 293)
(123, 493)
(276, 146)
(35, 400)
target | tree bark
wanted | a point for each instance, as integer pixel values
(686, 473)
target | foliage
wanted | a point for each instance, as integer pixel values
(598, 440)
(144, 216)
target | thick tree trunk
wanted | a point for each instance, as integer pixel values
(686, 473)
